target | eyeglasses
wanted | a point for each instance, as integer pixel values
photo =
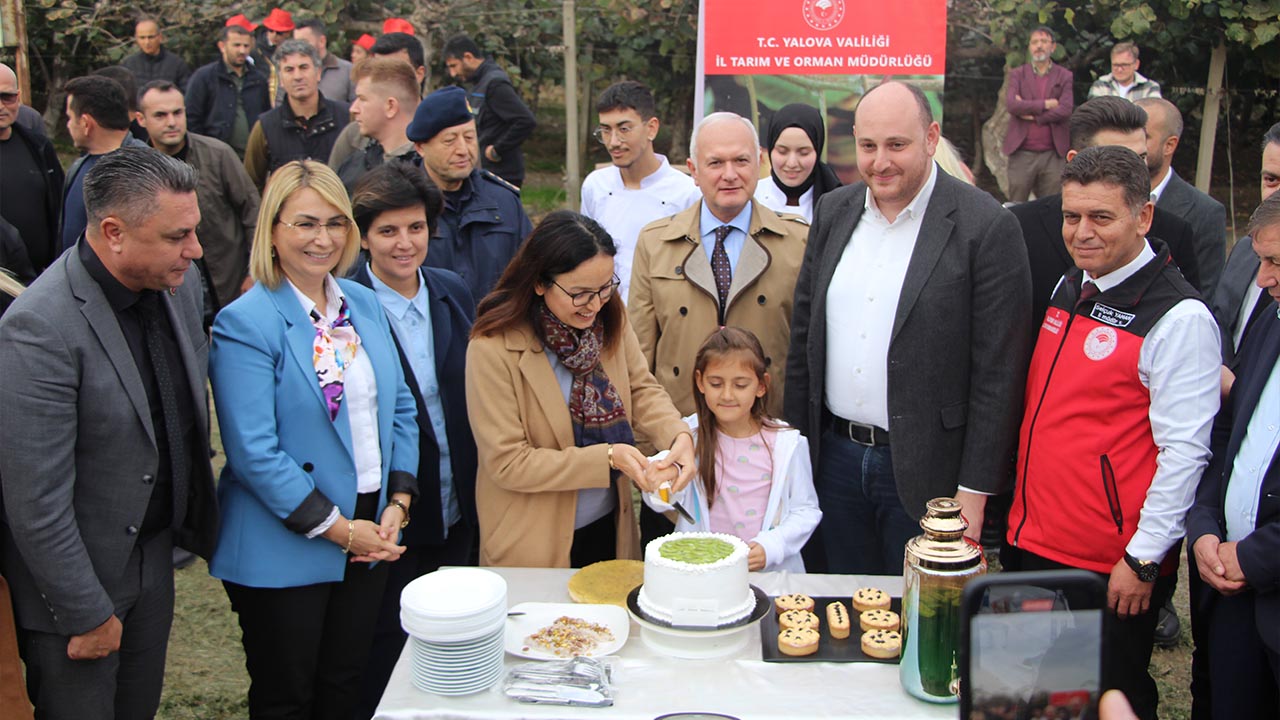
(310, 229)
(583, 299)
(8, 98)
(1121, 66)
(622, 132)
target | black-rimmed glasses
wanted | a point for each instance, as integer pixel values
(583, 299)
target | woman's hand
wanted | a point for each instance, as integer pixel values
(632, 463)
(682, 457)
(393, 517)
(366, 541)
(756, 557)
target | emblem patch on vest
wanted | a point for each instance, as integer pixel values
(1111, 316)
(1100, 342)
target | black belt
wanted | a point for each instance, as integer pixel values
(868, 435)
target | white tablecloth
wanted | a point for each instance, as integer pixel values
(648, 685)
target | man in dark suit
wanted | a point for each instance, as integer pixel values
(911, 322)
(431, 311)
(1207, 217)
(104, 442)
(1237, 301)
(1039, 99)
(1234, 524)
(1101, 121)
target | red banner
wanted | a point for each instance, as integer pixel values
(825, 37)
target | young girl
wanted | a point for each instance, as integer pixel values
(754, 479)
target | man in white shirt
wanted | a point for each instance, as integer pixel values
(1121, 392)
(909, 342)
(1235, 523)
(641, 186)
(1206, 216)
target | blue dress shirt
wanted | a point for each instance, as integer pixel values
(737, 237)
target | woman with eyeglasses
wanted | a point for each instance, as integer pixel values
(557, 390)
(319, 430)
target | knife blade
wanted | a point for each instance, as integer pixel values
(683, 513)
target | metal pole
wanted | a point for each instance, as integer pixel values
(572, 161)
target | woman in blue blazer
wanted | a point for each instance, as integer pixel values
(431, 310)
(318, 425)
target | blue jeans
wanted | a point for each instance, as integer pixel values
(864, 527)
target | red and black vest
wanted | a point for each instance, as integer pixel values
(1086, 456)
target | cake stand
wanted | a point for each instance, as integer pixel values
(696, 643)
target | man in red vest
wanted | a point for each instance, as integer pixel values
(1121, 394)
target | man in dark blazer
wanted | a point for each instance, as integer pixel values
(451, 312)
(104, 442)
(1101, 121)
(1039, 99)
(1234, 525)
(1206, 216)
(910, 333)
(1237, 301)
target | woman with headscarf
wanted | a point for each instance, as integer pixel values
(797, 177)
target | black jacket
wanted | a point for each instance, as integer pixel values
(211, 100)
(502, 120)
(1041, 221)
(288, 139)
(452, 313)
(163, 66)
(43, 151)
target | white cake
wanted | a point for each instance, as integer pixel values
(709, 590)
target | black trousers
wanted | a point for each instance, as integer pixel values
(305, 647)
(1127, 642)
(595, 542)
(389, 637)
(125, 685)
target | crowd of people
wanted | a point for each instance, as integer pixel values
(407, 373)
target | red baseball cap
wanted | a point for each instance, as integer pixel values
(399, 25)
(241, 21)
(279, 20)
(365, 41)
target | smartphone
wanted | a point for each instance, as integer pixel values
(1031, 646)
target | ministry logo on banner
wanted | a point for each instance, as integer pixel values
(823, 14)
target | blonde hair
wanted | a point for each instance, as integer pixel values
(284, 182)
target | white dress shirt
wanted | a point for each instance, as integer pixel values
(1178, 364)
(862, 302)
(771, 196)
(1257, 449)
(624, 212)
(360, 396)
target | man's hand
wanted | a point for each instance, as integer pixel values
(98, 642)
(1126, 594)
(491, 154)
(973, 507)
(1211, 566)
(1231, 562)
(1050, 103)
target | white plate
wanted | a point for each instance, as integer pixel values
(539, 615)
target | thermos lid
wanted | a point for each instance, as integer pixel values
(943, 546)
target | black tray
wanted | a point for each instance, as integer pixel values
(829, 649)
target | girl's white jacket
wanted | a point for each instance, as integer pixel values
(792, 512)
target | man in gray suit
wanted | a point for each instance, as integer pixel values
(909, 340)
(104, 442)
(1207, 217)
(1237, 300)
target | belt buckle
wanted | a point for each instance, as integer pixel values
(871, 433)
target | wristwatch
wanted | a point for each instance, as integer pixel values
(404, 523)
(1146, 570)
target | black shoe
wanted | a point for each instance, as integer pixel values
(1168, 627)
(182, 558)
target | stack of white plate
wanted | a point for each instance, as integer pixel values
(455, 619)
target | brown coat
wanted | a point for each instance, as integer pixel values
(529, 469)
(674, 306)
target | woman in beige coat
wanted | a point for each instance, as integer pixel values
(555, 383)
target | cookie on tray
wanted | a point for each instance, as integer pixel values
(879, 620)
(798, 642)
(881, 643)
(870, 598)
(838, 620)
(798, 618)
(794, 601)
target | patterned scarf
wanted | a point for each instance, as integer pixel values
(594, 404)
(333, 352)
